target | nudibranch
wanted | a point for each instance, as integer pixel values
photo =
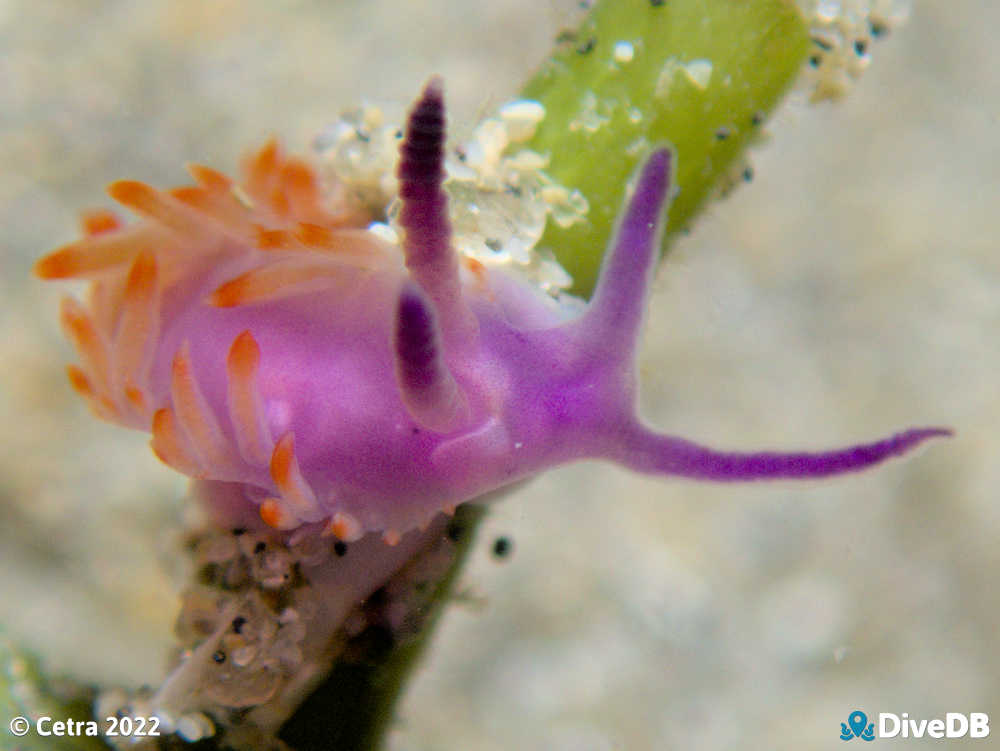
(297, 364)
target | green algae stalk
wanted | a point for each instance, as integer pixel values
(26, 696)
(699, 75)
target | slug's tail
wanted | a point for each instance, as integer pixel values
(645, 451)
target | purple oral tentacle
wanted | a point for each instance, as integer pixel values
(616, 308)
(424, 214)
(645, 451)
(426, 386)
(599, 348)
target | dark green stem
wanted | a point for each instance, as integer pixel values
(353, 709)
(703, 76)
(26, 693)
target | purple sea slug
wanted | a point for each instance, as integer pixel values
(307, 370)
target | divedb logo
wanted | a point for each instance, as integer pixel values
(953, 725)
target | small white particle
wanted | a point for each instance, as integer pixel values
(167, 722)
(522, 118)
(828, 10)
(699, 72)
(384, 232)
(592, 115)
(638, 147)
(193, 727)
(624, 52)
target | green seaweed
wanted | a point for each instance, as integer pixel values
(26, 693)
(703, 77)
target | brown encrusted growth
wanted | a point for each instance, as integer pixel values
(252, 633)
(252, 605)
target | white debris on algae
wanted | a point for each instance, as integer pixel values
(623, 53)
(521, 119)
(499, 194)
(697, 72)
(842, 34)
(592, 116)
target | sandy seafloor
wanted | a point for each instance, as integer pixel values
(851, 290)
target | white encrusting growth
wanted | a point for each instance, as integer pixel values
(521, 118)
(697, 73)
(842, 32)
(499, 196)
(267, 615)
(593, 115)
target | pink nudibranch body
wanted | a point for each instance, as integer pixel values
(282, 354)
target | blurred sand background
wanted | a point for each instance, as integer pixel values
(851, 290)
